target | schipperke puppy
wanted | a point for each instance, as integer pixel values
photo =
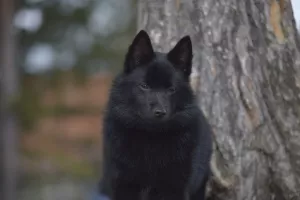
(157, 142)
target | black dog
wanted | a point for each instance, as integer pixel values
(157, 142)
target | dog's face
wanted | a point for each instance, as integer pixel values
(157, 84)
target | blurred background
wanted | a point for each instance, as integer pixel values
(59, 57)
(66, 53)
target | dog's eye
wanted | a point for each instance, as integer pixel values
(172, 90)
(144, 86)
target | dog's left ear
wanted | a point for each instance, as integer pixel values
(140, 52)
(181, 55)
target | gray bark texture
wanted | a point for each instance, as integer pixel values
(246, 75)
(8, 91)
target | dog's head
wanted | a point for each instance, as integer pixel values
(156, 85)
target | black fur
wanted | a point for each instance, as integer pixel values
(157, 142)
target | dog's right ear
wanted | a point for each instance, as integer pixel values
(139, 53)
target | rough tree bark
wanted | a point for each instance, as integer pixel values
(247, 77)
(8, 90)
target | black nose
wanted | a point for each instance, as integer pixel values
(159, 113)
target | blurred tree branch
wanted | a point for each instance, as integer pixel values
(9, 88)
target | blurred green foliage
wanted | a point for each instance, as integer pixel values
(65, 25)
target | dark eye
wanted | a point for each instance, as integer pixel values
(144, 86)
(172, 90)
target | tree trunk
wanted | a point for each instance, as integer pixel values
(8, 90)
(247, 78)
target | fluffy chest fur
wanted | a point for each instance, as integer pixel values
(153, 159)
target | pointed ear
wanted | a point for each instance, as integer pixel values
(181, 55)
(140, 51)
